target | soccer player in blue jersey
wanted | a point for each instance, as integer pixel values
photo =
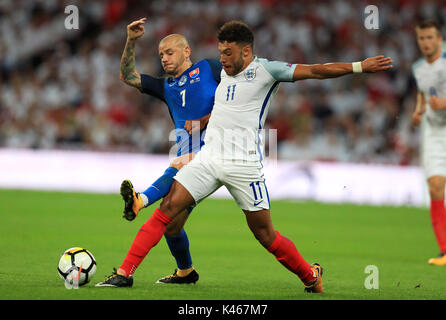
(189, 94)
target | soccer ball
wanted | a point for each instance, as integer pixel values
(76, 266)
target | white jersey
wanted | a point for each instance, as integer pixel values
(234, 131)
(431, 80)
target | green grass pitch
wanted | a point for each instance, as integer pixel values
(36, 228)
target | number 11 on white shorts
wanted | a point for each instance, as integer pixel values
(257, 192)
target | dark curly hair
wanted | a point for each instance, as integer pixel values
(236, 31)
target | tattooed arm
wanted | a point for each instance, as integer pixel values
(128, 72)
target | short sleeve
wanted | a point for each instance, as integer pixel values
(280, 71)
(153, 86)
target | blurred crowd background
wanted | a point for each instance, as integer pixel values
(60, 88)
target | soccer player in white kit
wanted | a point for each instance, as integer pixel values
(430, 76)
(233, 148)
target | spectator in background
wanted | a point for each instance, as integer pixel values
(60, 88)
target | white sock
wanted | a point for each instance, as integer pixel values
(144, 198)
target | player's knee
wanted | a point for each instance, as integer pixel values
(167, 205)
(436, 188)
(171, 205)
(436, 193)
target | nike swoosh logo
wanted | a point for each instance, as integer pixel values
(257, 203)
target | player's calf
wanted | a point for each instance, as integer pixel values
(287, 254)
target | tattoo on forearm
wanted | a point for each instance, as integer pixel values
(128, 68)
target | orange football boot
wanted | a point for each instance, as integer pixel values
(316, 285)
(133, 201)
(440, 261)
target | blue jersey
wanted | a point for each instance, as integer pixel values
(190, 96)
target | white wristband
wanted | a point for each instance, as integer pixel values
(357, 67)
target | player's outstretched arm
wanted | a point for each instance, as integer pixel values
(128, 72)
(419, 110)
(337, 69)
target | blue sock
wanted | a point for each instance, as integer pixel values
(160, 188)
(179, 247)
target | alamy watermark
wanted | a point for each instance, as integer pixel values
(72, 19)
(371, 17)
(372, 280)
(371, 21)
(241, 145)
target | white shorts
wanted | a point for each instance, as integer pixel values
(434, 155)
(204, 175)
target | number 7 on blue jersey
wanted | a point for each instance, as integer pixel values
(183, 97)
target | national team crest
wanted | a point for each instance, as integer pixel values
(250, 74)
(182, 81)
(194, 73)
